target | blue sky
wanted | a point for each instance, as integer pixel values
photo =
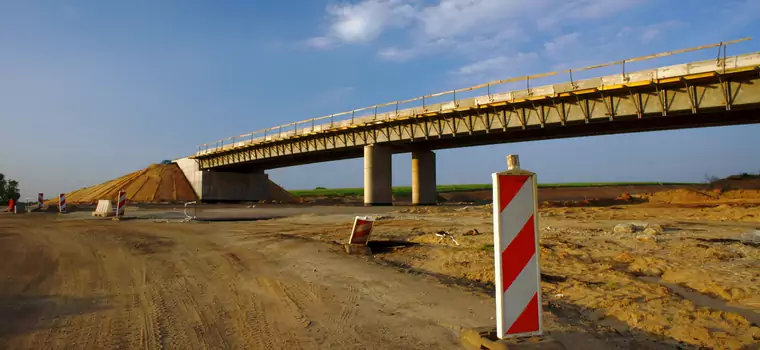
(92, 90)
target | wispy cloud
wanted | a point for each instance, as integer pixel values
(397, 54)
(320, 42)
(454, 26)
(363, 21)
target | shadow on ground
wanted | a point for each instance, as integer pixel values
(388, 246)
(24, 314)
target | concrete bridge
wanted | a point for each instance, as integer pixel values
(722, 91)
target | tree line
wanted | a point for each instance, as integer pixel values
(8, 189)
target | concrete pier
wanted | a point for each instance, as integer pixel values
(378, 184)
(423, 178)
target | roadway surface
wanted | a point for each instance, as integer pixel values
(139, 284)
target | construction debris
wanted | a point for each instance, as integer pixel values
(443, 235)
(473, 232)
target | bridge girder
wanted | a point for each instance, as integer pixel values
(688, 101)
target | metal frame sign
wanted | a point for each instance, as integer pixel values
(362, 230)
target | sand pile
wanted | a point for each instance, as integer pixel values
(691, 196)
(154, 184)
(740, 181)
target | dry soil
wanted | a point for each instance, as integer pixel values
(691, 282)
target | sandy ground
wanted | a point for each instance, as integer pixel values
(67, 282)
(137, 284)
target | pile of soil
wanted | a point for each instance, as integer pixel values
(683, 196)
(741, 181)
(157, 183)
(691, 196)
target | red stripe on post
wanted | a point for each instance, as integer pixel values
(528, 319)
(518, 254)
(508, 188)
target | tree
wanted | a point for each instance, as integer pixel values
(8, 189)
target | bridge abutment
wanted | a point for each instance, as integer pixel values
(423, 178)
(378, 184)
(225, 185)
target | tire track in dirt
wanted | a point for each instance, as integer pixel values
(260, 332)
(349, 308)
(149, 332)
(284, 311)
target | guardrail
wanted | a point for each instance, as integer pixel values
(342, 120)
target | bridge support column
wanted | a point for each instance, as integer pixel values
(378, 185)
(423, 178)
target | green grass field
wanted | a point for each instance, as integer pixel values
(407, 190)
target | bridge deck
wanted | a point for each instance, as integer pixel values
(712, 92)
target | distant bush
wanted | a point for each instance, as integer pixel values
(166, 162)
(8, 189)
(320, 188)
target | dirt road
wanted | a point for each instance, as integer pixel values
(139, 284)
(67, 282)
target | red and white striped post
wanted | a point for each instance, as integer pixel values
(121, 203)
(62, 203)
(517, 272)
(40, 198)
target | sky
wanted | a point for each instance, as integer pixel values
(92, 90)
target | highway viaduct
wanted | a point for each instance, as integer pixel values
(722, 91)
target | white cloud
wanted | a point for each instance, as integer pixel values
(451, 18)
(457, 26)
(366, 20)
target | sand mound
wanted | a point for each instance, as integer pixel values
(735, 182)
(687, 196)
(154, 184)
(683, 196)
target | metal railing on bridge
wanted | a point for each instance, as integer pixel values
(354, 117)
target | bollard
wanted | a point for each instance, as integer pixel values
(121, 204)
(516, 252)
(40, 198)
(62, 203)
